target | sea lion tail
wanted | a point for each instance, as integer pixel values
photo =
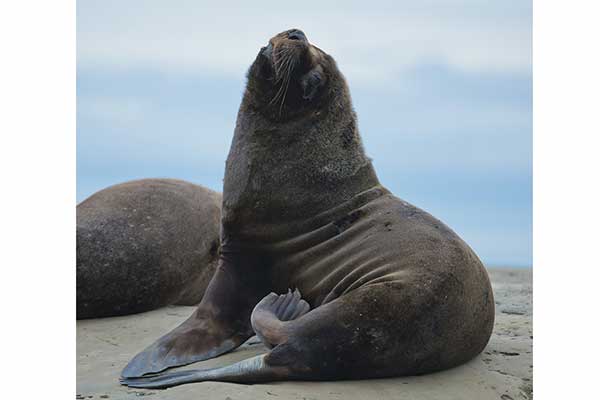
(251, 370)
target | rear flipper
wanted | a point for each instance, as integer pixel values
(251, 370)
(270, 314)
(269, 322)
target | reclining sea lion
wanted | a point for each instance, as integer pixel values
(145, 244)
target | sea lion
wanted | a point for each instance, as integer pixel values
(145, 244)
(391, 290)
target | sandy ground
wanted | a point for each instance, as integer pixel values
(503, 371)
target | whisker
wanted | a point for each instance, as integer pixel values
(285, 66)
(289, 74)
(282, 64)
(276, 97)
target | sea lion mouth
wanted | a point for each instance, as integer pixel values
(286, 52)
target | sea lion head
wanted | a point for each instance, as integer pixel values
(290, 77)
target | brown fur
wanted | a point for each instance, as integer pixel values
(392, 290)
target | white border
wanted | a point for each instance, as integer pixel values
(566, 175)
(37, 203)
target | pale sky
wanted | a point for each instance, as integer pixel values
(442, 90)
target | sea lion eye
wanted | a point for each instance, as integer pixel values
(311, 82)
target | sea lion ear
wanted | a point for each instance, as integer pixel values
(311, 83)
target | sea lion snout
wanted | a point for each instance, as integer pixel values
(287, 76)
(293, 34)
(292, 41)
(296, 34)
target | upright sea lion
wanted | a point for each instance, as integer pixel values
(145, 244)
(391, 290)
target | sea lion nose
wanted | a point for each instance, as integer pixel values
(296, 34)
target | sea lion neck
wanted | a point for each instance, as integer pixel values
(287, 171)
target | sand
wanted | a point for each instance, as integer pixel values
(503, 371)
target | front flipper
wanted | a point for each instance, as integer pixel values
(196, 339)
(220, 324)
